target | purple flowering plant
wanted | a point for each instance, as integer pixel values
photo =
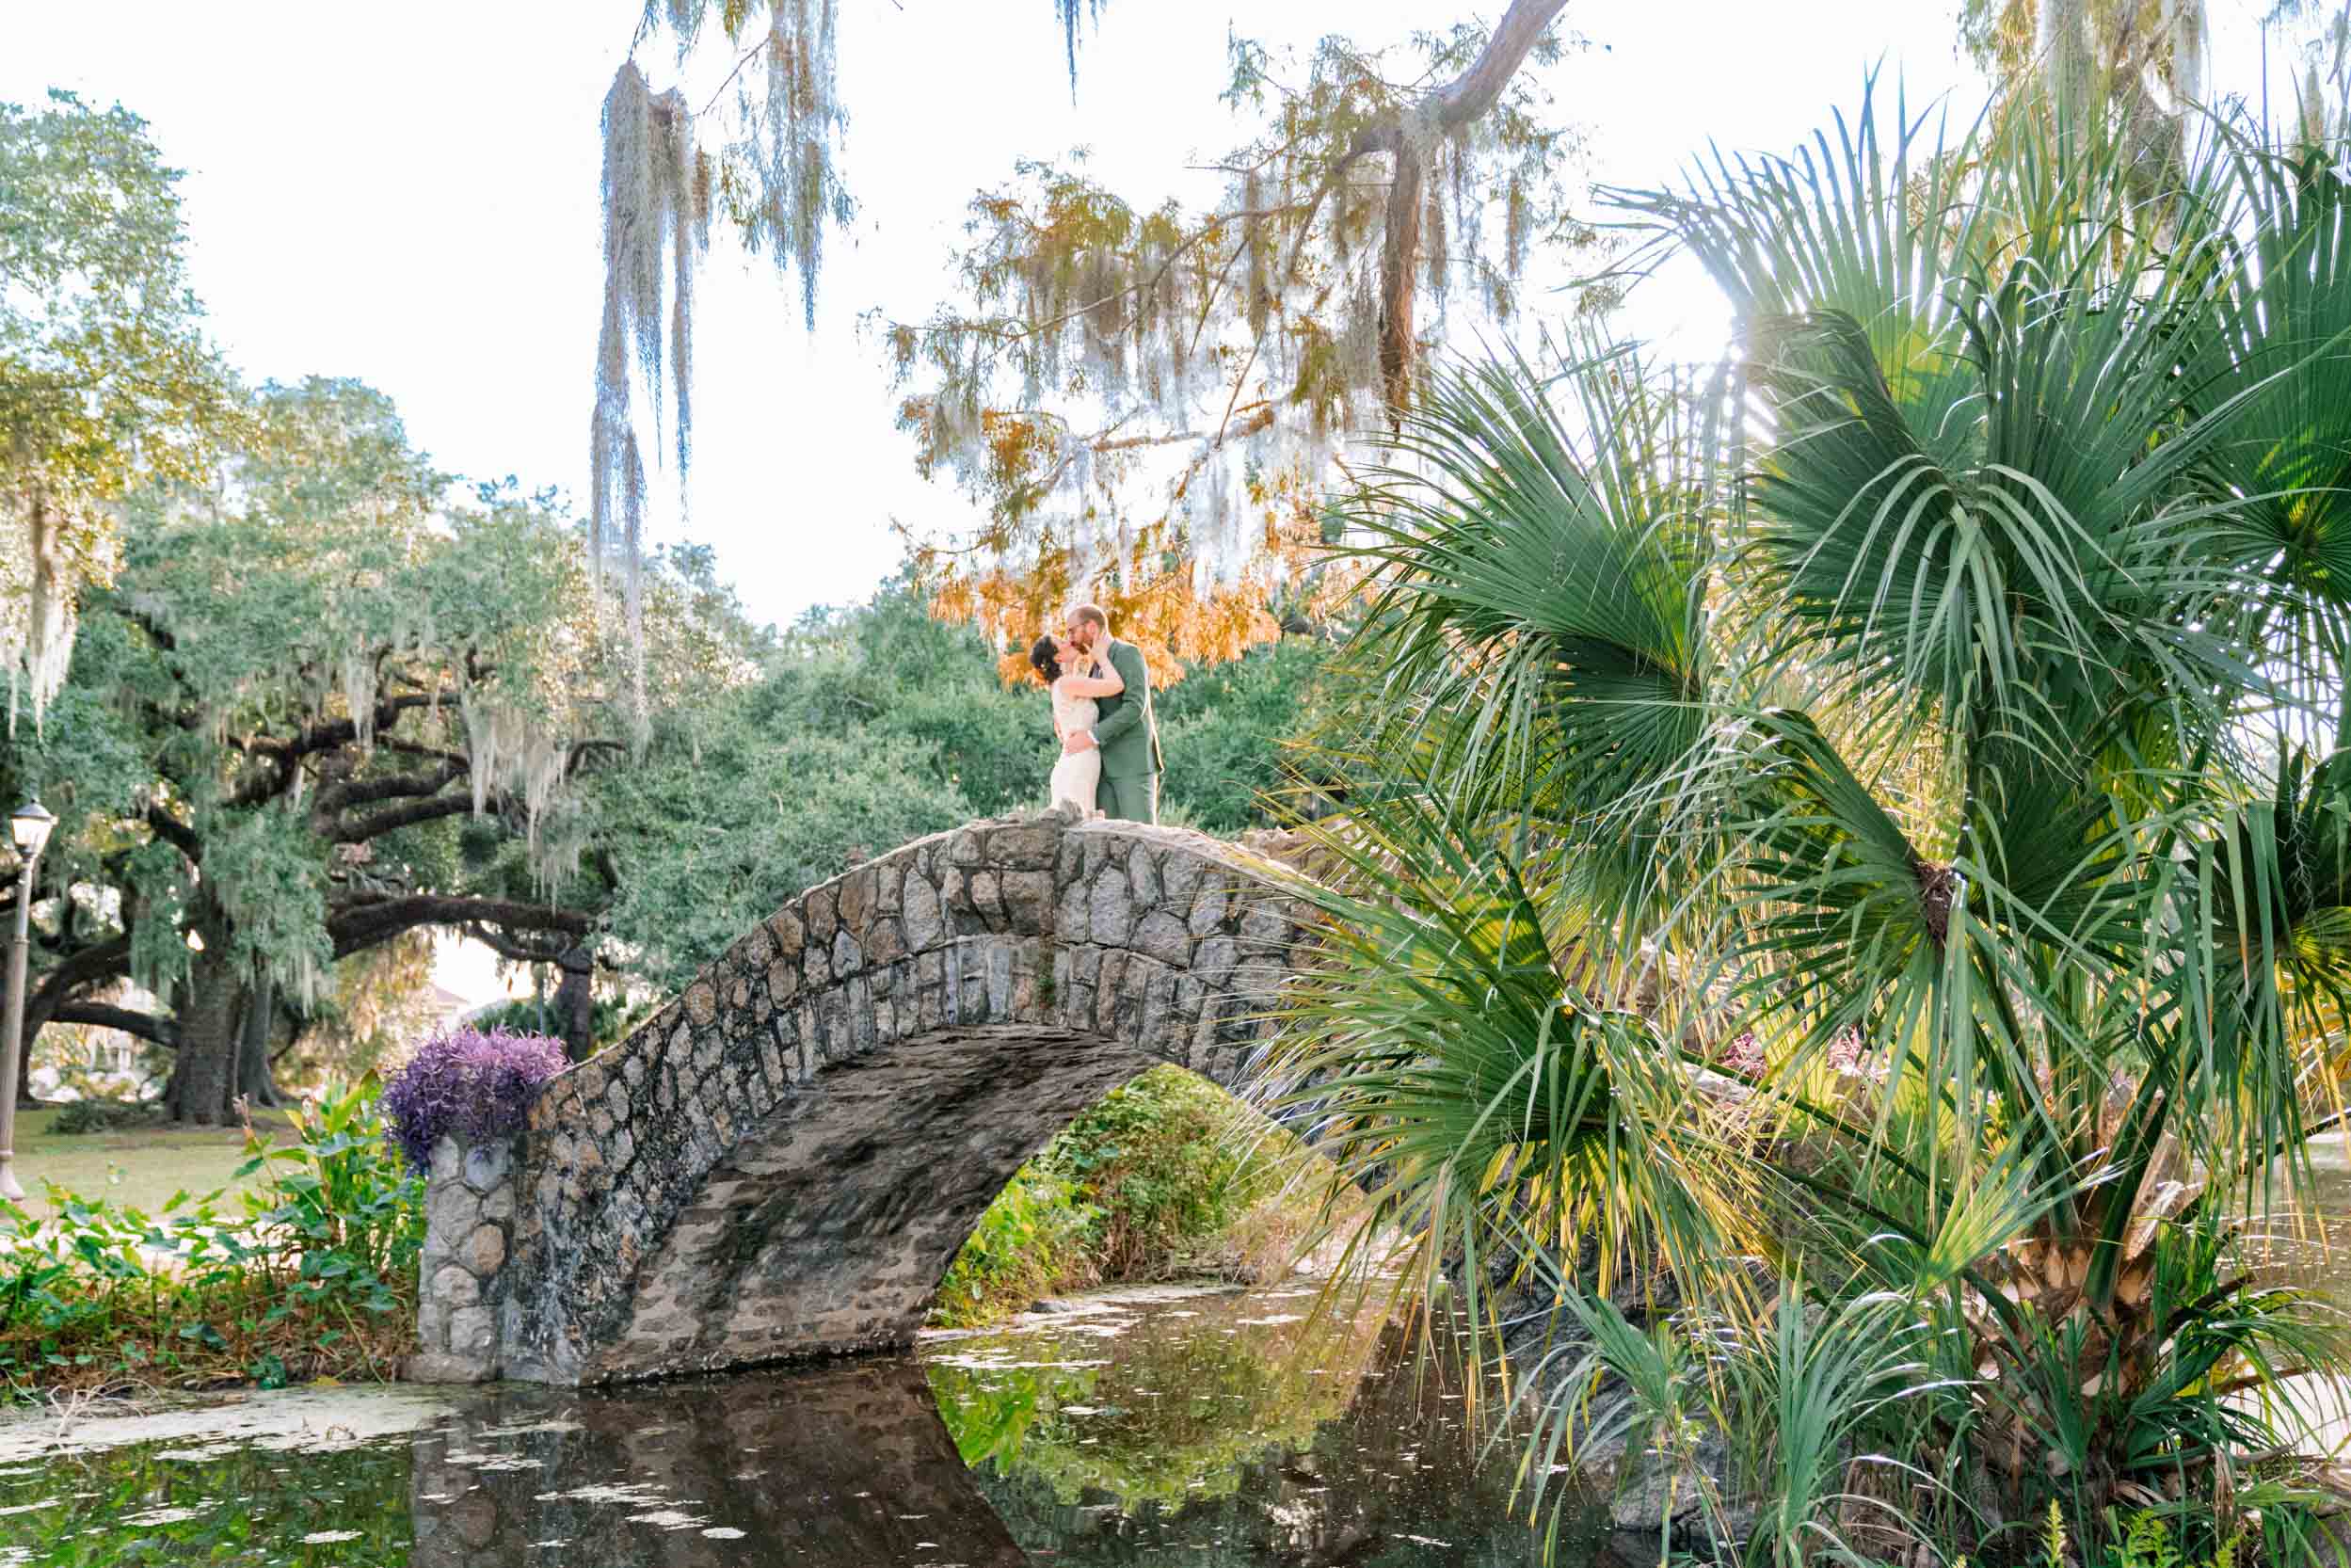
(471, 1084)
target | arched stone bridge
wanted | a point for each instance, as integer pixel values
(784, 1162)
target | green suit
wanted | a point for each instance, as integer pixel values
(1128, 734)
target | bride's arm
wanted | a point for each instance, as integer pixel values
(1108, 683)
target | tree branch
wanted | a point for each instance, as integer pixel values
(172, 830)
(417, 748)
(1474, 91)
(431, 809)
(337, 797)
(1371, 139)
(357, 925)
(524, 952)
(397, 817)
(326, 735)
(163, 1031)
(108, 961)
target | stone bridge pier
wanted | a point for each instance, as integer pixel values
(784, 1162)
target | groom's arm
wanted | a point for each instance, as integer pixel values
(1126, 660)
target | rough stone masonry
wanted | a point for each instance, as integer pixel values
(784, 1162)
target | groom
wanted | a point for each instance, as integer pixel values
(1127, 731)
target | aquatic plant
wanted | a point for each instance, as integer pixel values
(468, 1084)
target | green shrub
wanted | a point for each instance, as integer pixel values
(1223, 728)
(1032, 1241)
(1164, 1177)
(310, 1271)
(1168, 1167)
(100, 1116)
(611, 1019)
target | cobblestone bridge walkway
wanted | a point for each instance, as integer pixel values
(784, 1162)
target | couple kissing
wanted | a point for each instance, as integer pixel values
(1109, 763)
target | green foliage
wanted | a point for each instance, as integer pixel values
(262, 1508)
(866, 729)
(869, 727)
(894, 669)
(1918, 732)
(1228, 730)
(335, 703)
(310, 1271)
(1034, 1240)
(106, 377)
(610, 1019)
(1166, 1161)
(710, 843)
(1239, 1398)
(1148, 1184)
(90, 1115)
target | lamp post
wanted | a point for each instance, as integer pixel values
(30, 827)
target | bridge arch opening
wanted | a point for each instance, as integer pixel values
(1169, 1178)
(835, 1222)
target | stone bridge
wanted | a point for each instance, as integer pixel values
(784, 1162)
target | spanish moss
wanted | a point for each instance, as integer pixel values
(36, 617)
(656, 191)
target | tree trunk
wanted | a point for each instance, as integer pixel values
(1400, 280)
(254, 1080)
(575, 1005)
(37, 1012)
(1469, 97)
(204, 1070)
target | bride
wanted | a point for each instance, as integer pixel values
(1075, 679)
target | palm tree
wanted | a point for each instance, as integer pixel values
(1957, 680)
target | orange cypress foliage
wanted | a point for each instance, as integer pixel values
(1160, 595)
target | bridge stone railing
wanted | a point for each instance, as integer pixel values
(784, 1160)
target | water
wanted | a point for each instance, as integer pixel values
(1199, 1429)
(2309, 1244)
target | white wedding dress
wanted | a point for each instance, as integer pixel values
(1078, 774)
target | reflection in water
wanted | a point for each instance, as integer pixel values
(1227, 1432)
(1203, 1429)
(209, 1503)
(848, 1465)
(2309, 1244)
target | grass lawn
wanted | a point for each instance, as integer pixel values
(142, 1167)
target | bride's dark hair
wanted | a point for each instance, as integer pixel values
(1045, 657)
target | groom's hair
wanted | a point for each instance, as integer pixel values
(1091, 612)
(1045, 658)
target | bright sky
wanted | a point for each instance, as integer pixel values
(407, 194)
(410, 197)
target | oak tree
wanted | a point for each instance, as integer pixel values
(333, 706)
(107, 379)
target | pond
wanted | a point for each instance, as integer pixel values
(1202, 1428)
(2309, 1244)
